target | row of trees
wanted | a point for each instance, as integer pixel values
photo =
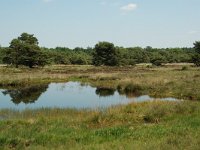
(61, 55)
(24, 50)
(106, 53)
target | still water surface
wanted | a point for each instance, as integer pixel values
(65, 95)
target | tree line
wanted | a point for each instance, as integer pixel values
(24, 50)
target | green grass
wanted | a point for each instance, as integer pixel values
(154, 125)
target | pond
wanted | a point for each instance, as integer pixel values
(66, 95)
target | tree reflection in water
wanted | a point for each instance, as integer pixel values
(130, 91)
(104, 92)
(28, 94)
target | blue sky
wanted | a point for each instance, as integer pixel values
(82, 23)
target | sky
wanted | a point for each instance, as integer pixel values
(83, 23)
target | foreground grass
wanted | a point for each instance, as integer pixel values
(153, 125)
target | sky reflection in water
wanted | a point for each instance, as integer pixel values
(64, 95)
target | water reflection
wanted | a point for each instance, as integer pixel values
(130, 91)
(104, 92)
(70, 95)
(28, 94)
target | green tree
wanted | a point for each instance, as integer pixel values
(24, 50)
(197, 47)
(138, 55)
(2, 53)
(105, 54)
(158, 58)
(122, 56)
(196, 57)
(81, 57)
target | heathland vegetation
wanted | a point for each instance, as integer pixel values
(147, 125)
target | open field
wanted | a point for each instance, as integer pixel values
(148, 125)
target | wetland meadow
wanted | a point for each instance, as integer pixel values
(88, 107)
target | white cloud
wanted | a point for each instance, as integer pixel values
(129, 7)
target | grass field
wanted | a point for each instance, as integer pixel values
(155, 125)
(149, 125)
